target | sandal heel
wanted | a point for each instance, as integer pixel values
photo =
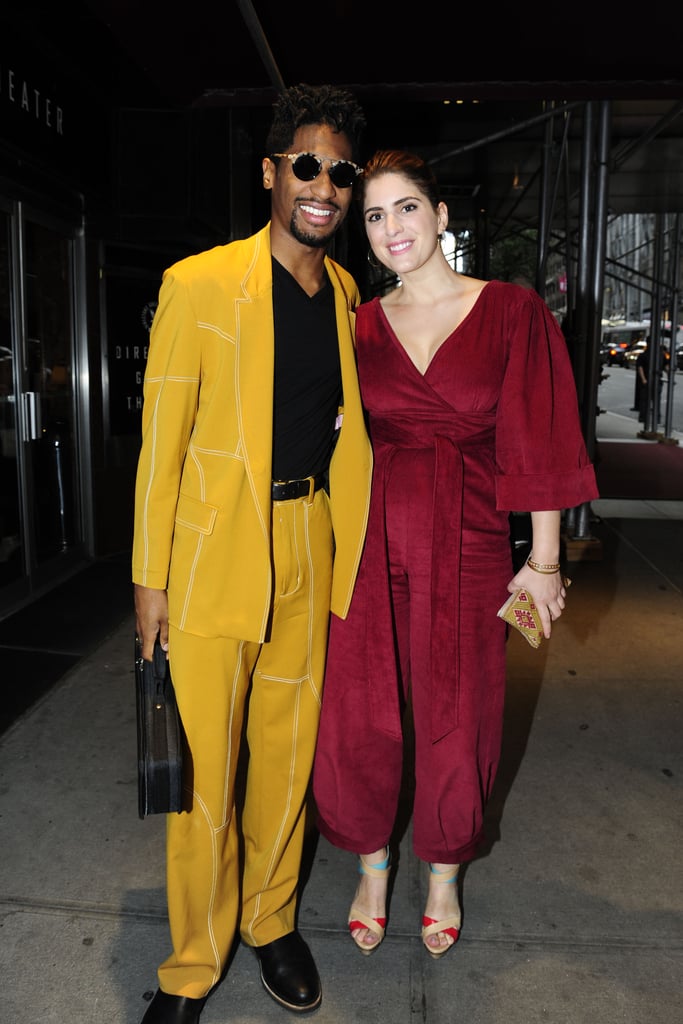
(358, 919)
(448, 925)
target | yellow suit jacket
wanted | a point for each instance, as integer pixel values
(203, 491)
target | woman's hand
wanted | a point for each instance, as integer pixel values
(547, 590)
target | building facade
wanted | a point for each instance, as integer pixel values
(100, 190)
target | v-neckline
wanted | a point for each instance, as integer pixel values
(288, 278)
(448, 337)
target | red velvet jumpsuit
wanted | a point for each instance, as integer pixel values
(492, 426)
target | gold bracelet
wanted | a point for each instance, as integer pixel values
(546, 570)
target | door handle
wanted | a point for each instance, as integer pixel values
(31, 418)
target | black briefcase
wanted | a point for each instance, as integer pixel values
(160, 737)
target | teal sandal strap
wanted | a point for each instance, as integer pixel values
(449, 876)
(371, 869)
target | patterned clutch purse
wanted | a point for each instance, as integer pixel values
(521, 612)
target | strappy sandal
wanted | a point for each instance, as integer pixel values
(357, 919)
(449, 925)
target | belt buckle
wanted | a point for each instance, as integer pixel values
(311, 488)
(278, 483)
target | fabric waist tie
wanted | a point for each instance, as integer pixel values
(444, 668)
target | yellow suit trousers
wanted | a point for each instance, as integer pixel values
(224, 873)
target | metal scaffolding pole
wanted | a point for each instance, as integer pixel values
(544, 211)
(674, 278)
(583, 253)
(600, 208)
(595, 211)
(654, 360)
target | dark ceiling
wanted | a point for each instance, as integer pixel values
(469, 87)
(256, 44)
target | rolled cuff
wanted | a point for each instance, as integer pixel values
(530, 493)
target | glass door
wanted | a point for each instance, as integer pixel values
(40, 528)
(48, 399)
(11, 543)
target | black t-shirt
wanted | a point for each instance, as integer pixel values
(307, 377)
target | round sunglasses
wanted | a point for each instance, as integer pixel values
(307, 167)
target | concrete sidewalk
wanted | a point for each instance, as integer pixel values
(573, 913)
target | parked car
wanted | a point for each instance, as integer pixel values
(631, 354)
(666, 342)
(617, 339)
(678, 355)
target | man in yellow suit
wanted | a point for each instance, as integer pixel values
(251, 505)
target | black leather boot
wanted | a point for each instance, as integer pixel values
(289, 974)
(166, 1009)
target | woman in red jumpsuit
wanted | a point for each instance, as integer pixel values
(472, 414)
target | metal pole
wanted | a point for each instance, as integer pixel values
(589, 411)
(654, 348)
(583, 255)
(569, 255)
(674, 277)
(544, 213)
(257, 34)
(519, 126)
(598, 274)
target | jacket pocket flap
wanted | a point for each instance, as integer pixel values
(196, 515)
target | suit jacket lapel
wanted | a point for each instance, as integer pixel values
(255, 369)
(345, 320)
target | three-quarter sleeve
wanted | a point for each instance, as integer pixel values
(541, 457)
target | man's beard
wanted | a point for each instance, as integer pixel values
(313, 241)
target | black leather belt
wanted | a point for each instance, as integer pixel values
(287, 490)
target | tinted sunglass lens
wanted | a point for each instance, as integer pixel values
(343, 175)
(306, 167)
